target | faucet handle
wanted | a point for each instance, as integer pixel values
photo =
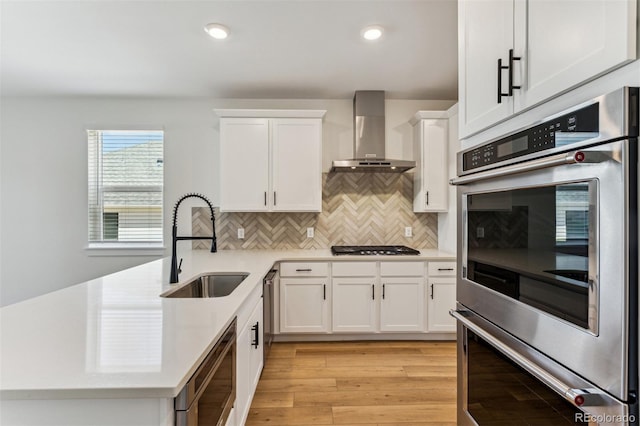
(180, 266)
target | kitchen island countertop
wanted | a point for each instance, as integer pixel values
(115, 337)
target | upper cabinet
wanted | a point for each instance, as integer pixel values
(515, 54)
(430, 148)
(270, 160)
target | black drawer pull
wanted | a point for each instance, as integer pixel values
(500, 68)
(445, 269)
(511, 59)
(304, 270)
(256, 339)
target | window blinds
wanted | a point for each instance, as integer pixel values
(125, 185)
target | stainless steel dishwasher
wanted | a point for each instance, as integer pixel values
(270, 282)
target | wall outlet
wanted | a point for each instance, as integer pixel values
(408, 231)
(241, 233)
(310, 232)
(480, 232)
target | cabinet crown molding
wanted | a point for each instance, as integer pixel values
(421, 115)
(271, 113)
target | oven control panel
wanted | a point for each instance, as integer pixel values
(573, 127)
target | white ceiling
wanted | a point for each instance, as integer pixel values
(276, 49)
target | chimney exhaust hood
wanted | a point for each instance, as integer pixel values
(369, 138)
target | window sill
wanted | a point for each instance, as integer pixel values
(125, 249)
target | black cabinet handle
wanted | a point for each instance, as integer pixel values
(432, 291)
(274, 198)
(445, 269)
(304, 270)
(427, 197)
(373, 292)
(265, 198)
(511, 59)
(500, 68)
(256, 336)
(383, 291)
(324, 292)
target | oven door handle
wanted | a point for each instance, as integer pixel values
(574, 157)
(578, 397)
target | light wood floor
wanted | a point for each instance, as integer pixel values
(357, 383)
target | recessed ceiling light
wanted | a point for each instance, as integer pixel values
(373, 32)
(217, 31)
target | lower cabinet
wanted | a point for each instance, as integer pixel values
(249, 362)
(304, 305)
(442, 297)
(367, 297)
(354, 297)
(402, 304)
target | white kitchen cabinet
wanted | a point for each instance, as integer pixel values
(354, 304)
(560, 45)
(244, 165)
(249, 362)
(430, 178)
(402, 296)
(305, 296)
(368, 299)
(442, 297)
(485, 34)
(402, 304)
(272, 162)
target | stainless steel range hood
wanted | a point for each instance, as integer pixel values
(368, 138)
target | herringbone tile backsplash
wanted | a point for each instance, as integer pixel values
(357, 209)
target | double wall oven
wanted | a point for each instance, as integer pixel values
(547, 252)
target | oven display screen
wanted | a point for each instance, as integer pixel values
(511, 147)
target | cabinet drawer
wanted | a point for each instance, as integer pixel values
(442, 269)
(402, 269)
(354, 269)
(304, 269)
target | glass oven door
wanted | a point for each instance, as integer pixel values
(538, 245)
(503, 381)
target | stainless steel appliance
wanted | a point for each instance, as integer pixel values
(547, 249)
(207, 398)
(271, 281)
(369, 138)
(372, 250)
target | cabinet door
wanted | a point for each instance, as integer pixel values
(249, 362)
(297, 164)
(485, 34)
(441, 299)
(354, 304)
(565, 43)
(304, 305)
(434, 171)
(244, 164)
(256, 351)
(402, 304)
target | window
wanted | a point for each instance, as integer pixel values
(125, 186)
(572, 213)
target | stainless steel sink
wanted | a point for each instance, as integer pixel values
(210, 285)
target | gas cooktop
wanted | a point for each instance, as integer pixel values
(372, 250)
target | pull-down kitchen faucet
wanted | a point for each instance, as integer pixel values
(175, 269)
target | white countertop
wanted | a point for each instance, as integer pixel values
(114, 337)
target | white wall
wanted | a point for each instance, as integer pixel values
(43, 174)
